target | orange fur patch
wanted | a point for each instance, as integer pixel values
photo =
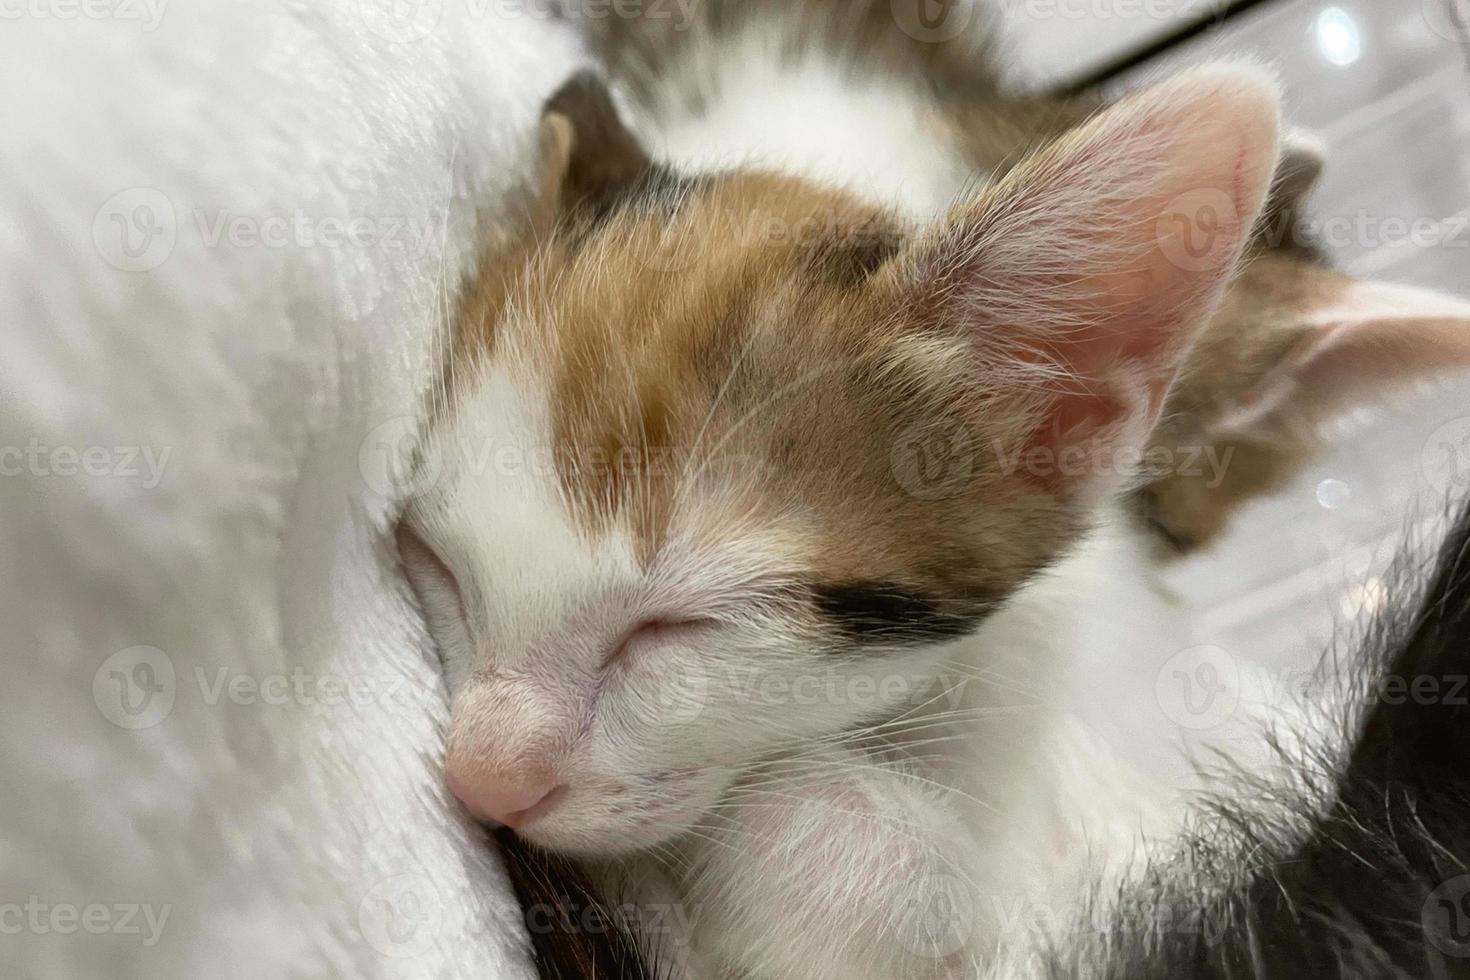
(726, 362)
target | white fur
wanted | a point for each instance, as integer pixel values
(1059, 770)
(532, 568)
(647, 745)
(298, 838)
(875, 136)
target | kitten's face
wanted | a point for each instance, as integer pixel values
(696, 514)
(729, 463)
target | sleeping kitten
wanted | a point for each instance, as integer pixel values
(749, 481)
(736, 511)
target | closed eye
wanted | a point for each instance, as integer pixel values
(652, 631)
(437, 589)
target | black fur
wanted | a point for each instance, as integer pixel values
(888, 613)
(574, 935)
(1375, 885)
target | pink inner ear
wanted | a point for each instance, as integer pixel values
(1131, 363)
(1121, 366)
(1369, 337)
(1096, 263)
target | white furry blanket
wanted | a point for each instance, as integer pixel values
(226, 234)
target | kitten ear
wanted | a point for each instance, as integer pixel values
(554, 141)
(1294, 346)
(1358, 339)
(1080, 280)
(593, 158)
(1303, 158)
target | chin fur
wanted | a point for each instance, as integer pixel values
(600, 826)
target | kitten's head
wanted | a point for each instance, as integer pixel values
(729, 460)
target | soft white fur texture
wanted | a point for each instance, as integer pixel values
(877, 137)
(256, 829)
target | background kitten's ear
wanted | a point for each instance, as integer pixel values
(1080, 280)
(1358, 340)
(1303, 158)
(602, 161)
(1293, 346)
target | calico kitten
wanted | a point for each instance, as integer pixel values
(730, 512)
(717, 435)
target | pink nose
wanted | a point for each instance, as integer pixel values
(513, 804)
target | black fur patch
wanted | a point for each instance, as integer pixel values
(888, 613)
(574, 934)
